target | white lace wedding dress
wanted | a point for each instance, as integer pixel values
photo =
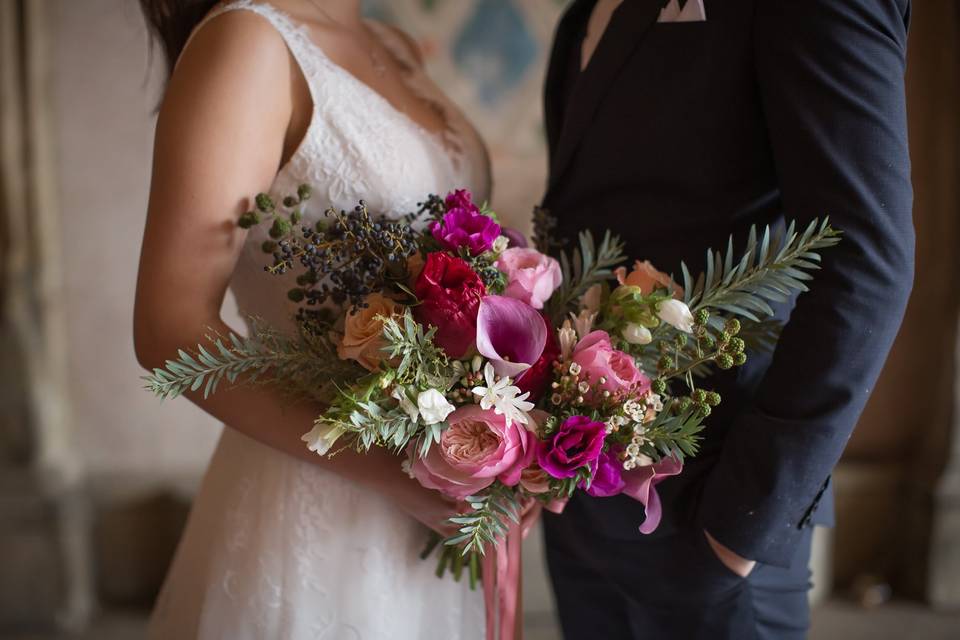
(276, 548)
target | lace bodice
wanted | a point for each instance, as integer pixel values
(357, 146)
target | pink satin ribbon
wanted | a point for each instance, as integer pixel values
(501, 577)
(501, 566)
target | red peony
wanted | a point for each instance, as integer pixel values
(535, 378)
(449, 292)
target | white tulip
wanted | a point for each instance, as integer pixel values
(676, 314)
(433, 406)
(322, 437)
(636, 334)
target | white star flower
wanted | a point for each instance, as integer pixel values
(505, 398)
(514, 408)
(490, 393)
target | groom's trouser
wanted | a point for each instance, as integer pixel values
(668, 587)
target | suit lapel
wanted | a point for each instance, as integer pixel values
(565, 39)
(629, 23)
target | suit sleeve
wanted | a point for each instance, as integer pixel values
(831, 80)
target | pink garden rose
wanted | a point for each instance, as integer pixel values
(476, 449)
(598, 359)
(531, 276)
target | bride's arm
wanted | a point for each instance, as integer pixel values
(220, 137)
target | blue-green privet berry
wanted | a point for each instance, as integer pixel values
(264, 203)
(249, 219)
(279, 228)
(296, 295)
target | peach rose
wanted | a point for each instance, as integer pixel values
(363, 337)
(647, 278)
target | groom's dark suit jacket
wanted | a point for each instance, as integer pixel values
(677, 135)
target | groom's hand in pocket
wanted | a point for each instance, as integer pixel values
(739, 565)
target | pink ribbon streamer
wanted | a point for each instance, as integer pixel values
(501, 585)
(501, 566)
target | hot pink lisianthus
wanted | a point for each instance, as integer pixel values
(450, 293)
(531, 276)
(575, 444)
(598, 359)
(607, 476)
(463, 225)
(476, 449)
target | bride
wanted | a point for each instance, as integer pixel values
(282, 543)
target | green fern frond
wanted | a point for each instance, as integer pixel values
(771, 269)
(588, 265)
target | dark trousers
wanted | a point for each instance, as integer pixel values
(669, 587)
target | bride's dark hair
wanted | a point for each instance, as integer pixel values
(172, 21)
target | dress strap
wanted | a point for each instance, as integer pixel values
(295, 36)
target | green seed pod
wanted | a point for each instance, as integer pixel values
(279, 228)
(713, 398)
(732, 326)
(659, 386)
(249, 219)
(699, 395)
(680, 340)
(702, 316)
(724, 361)
(264, 203)
(296, 216)
(268, 246)
(665, 362)
(739, 358)
(737, 344)
(724, 337)
(296, 295)
(290, 201)
(683, 404)
(708, 342)
(319, 226)
(703, 409)
(304, 192)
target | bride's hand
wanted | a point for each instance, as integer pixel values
(427, 506)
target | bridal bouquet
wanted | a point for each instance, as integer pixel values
(499, 375)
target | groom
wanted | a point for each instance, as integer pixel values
(676, 124)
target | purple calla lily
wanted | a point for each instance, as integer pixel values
(510, 333)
